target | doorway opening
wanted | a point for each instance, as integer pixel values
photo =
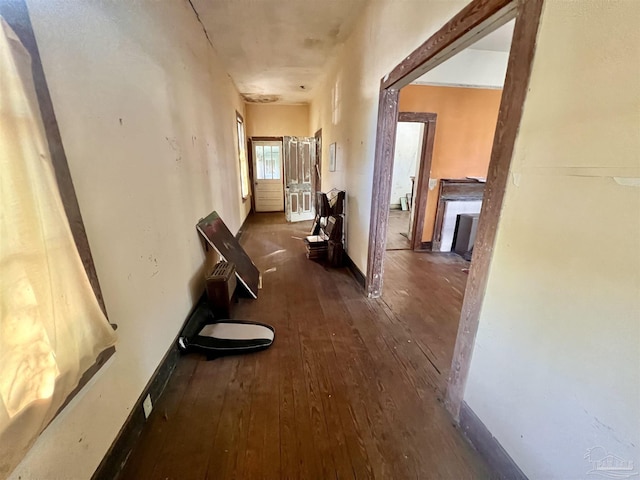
(284, 175)
(268, 186)
(410, 180)
(471, 24)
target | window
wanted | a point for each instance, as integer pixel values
(268, 166)
(242, 157)
(53, 333)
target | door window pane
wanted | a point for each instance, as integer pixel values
(268, 162)
(259, 162)
(277, 165)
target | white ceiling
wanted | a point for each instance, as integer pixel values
(497, 41)
(272, 48)
(482, 64)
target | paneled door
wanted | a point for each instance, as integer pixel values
(267, 175)
(299, 161)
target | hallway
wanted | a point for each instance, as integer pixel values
(350, 389)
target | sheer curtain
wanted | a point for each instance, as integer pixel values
(51, 326)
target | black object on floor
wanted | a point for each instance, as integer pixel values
(205, 334)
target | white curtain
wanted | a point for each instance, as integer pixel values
(51, 326)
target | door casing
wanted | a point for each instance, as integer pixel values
(423, 173)
(275, 185)
(474, 21)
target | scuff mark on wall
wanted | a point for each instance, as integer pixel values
(516, 177)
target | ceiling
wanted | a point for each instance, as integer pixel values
(481, 65)
(497, 41)
(276, 53)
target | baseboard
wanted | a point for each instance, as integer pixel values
(243, 227)
(116, 457)
(358, 275)
(114, 461)
(499, 461)
(424, 247)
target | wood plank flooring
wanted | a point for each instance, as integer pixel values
(351, 387)
(398, 230)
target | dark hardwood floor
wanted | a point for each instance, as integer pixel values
(351, 387)
(398, 230)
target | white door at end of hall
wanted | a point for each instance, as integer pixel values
(267, 176)
(299, 161)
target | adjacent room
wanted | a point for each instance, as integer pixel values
(446, 124)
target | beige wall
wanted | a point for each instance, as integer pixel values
(277, 120)
(465, 128)
(556, 366)
(147, 117)
(345, 105)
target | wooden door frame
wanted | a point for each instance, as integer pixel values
(473, 22)
(250, 141)
(424, 171)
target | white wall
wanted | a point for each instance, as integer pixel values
(387, 31)
(405, 159)
(556, 367)
(147, 118)
(470, 68)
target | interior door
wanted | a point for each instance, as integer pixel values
(299, 161)
(267, 175)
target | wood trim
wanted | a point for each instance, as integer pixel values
(523, 47)
(353, 268)
(422, 185)
(16, 15)
(381, 191)
(458, 33)
(116, 457)
(266, 139)
(242, 229)
(240, 119)
(424, 247)
(471, 23)
(499, 461)
(422, 117)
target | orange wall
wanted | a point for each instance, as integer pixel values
(464, 133)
